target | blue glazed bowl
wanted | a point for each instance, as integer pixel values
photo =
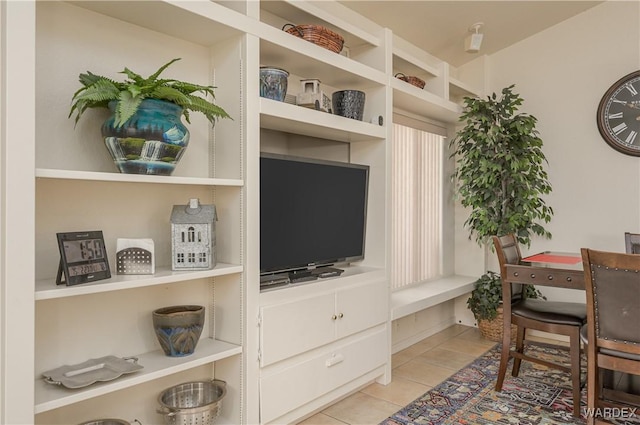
(273, 83)
(178, 328)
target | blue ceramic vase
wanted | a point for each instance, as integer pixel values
(273, 83)
(178, 328)
(152, 141)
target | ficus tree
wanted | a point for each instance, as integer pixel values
(500, 177)
(500, 171)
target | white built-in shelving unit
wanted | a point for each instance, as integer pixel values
(60, 178)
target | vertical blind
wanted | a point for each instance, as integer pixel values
(416, 199)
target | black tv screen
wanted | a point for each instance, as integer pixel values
(312, 213)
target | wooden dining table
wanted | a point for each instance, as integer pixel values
(557, 269)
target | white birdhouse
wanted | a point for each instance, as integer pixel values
(193, 236)
(312, 97)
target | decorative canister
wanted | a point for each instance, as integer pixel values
(178, 328)
(348, 103)
(273, 83)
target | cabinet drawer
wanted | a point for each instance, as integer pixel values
(293, 387)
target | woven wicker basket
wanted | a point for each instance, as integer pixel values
(316, 34)
(414, 81)
(492, 329)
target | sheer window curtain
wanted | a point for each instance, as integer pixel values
(416, 197)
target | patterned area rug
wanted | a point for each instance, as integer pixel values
(539, 396)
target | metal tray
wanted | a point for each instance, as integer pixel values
(102, 369)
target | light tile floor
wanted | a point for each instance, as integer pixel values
(415, 370)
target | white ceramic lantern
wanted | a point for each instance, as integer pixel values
(193, 236)
(312, 97)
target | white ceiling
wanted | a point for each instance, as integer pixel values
(440, 27)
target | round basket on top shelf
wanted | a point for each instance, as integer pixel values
(414, 81)
(317, 34)
(144, 133)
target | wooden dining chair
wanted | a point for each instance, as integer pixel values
(632, 243)
(561, 318)
(613, 336)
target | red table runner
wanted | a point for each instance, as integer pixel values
(553, 258)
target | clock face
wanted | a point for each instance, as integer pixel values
(619, 115)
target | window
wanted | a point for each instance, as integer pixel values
(192, 234)
(416, 205)
(180, 257)
(191, 257)
(202, 257)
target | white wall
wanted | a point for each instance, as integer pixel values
(562, 74)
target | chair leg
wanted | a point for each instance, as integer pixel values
(593, 387)
(574, 352)
(520, 349)
(504, 358)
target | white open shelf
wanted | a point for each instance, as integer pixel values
(295, 119)
(459, 88)
(427, 294)
(201, 22)
(156, 365)
(133, 178)
(423, 103)
(47, 289)
(300, 57)
(297, 13)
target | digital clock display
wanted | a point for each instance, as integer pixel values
(83, 269)
(83, 250)
(83, 258)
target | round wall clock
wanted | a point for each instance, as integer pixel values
(619, 115)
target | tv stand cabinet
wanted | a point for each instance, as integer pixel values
(329, 333)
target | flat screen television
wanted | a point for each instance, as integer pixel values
(313, 213)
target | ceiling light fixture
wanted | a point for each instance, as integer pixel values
(473, 41)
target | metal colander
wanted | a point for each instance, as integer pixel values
(109, 421)
(192, 403)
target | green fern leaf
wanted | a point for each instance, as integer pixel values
(127, 106)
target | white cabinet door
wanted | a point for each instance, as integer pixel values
(294, 327)
(361, 307)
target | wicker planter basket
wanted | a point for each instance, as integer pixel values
(316, 34)
(414, 81)
(492, 329)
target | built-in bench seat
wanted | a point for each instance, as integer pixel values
(427, 294)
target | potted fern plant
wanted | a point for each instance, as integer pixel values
(144, 133)
(485, 303)
(500, 177)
